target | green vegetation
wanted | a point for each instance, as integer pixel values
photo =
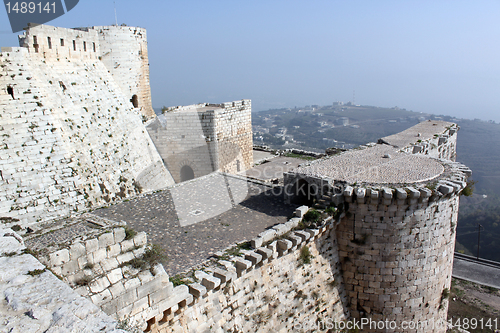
(36, 272)
(305, 256)
(236, 250)
(152, 256)
(469, 189)
(129, 233)
(302, 157)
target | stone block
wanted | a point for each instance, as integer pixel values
(69, 268)
(149, 287)
(256, 242)
(127, 245)
(106, 240)
(158, 296)
(281, 229)
(115, 275)
(348, 191)
(268, 235)
(312, 232)
(102, 297)
(117, 289)
(255, 258)
(265, 253)
(241, 263)
(99, 284)
(300, 211)
(360, 195)
(122, 258)
(293, 223)
(413, 193)
(140, 305)
(445, 189)
(109, 264)
(59, 258)
(284, 245)
(132, 283)
(119, 234)
(210, 282)
(296, 240)
(91, 245)
(224, 275)
(141, 239)
(99, 255)
(197, 290)
(425, 192)
(387, 193)
(77, 250)
(304, 235)
(401, 194)
(113, 250)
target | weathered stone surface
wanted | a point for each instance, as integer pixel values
(197, 290)
(106, 240)
(59, 258)
(300, 211)
(43, 303)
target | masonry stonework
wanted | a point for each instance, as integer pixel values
(205, 138)
(70, 139)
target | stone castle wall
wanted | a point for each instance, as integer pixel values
(36, 301)
(269, 289)
(396, 241)
(233, 130)
(205, 138)
(397, 254)
(70, 140)
(53, 43)
(441, 144)
(124, 52)
(180, 140)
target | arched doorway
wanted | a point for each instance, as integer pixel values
(187, 173)
(302, 193)
(135, 101)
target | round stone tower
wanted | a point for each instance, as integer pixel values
(397, 215)
(124, 52)
(396, 248)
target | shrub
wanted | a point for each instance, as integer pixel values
(305, 255)
(129, 233)
(469, 189)
(312, 216)
(36, 272)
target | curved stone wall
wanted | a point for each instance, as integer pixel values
(396, 249)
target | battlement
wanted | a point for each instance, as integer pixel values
(122, 49)
(60, 43)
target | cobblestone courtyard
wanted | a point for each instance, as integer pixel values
(192, 225)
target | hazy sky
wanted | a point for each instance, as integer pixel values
(431, 56)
